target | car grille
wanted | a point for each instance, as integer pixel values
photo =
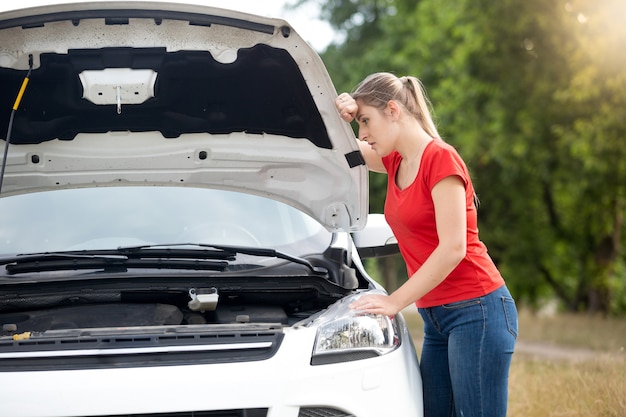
(322, 412)
(249, 412)
(139, 347)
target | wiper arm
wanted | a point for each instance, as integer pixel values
(46, 256)
(244, 250)
(118, 259)
(318, 270)
(116, 265)
(129, 252)
(161, 256)
(172, 250)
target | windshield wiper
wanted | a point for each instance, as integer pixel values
(161, 256)
(114, 260)
(244, 250)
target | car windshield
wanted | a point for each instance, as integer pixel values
(112, 217)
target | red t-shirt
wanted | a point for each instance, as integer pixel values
(411, 214)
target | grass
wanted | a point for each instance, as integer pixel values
(544, 388)
(557, 385)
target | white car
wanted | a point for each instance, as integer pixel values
(183, 218)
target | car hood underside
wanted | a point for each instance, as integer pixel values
(169, 94)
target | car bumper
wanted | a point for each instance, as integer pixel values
(283, 384)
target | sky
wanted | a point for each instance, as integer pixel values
(304, 20)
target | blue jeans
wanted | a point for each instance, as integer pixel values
(466, 356)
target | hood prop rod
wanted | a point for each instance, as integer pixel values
(20, 94)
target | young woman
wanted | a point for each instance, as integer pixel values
(470, 319)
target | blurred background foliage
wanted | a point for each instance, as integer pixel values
(533, 95)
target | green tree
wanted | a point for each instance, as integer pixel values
(533, 95)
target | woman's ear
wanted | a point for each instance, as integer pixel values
(393, 110)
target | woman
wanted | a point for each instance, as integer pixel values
(470, 319)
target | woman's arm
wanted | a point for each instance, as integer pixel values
(372, 160)
(451, 220)
(348, 109)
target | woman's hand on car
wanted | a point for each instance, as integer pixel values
(376, 304)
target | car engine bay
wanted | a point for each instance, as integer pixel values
(151, 305)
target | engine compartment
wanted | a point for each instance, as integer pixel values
(120, 315)
(162, 301)
(104, 320)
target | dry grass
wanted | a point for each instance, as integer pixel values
(545, 388)
(548, 381)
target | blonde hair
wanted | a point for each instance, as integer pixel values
(378, 89)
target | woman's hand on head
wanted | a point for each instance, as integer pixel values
(348, 109)
(346, 106)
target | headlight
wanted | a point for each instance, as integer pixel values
(346, 335)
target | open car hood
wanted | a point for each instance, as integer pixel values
(148, 93)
